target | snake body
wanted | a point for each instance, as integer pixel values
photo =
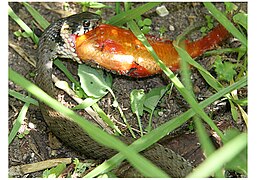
(56, 41)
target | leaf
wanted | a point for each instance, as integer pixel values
(98, 5)
(230, 6)
(152, 98)
(147, 21)
(225, 71)
(137, 98)
(234, 111)
(241, 102)
(241, 18)
(93, 81)
(54, 172)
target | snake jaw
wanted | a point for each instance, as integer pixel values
(68, 49)
(73, 27)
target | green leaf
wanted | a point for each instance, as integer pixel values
(152, 98)
(225, 71)
(230, 7)
(140, 23)
(241, 102)
(137, 98)
(147, 21)
(234, 111)
(203, 29)
(242, 19)
(80, 167)
(93, 81)
(98, 5)
(146, 29)
(54, 172)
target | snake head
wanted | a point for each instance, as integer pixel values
(80, 24)
(72, 27)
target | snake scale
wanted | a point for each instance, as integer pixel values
(56, 41)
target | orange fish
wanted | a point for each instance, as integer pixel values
(118, 50)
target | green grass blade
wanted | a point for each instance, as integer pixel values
(18, 123)
(105, 118)
(22, 97)
(126, 16)
(22, 25)
(225, 22)
(220, 157)
(37, 16)
(160, 132)
(139, 162)
(64, 69)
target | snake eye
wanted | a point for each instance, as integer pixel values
(86, 23)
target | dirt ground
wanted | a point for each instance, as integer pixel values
(40, 145)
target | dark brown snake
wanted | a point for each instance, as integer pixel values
(55, 43)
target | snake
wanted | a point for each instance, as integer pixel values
(84, 39)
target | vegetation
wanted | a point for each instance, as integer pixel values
(230, 77)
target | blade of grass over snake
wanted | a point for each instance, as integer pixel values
(225, 22)
(37, 16)
(160, 132)
(184, 92)
(22, 97)
(139, 162)
(22, 25)
(206, 143)
(126, 16)
(220, 157)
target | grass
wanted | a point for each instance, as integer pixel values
(208, 167)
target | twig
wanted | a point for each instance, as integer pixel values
(125, 126)
(22, 53)
(34, 167)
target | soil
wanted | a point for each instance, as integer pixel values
(41, 145)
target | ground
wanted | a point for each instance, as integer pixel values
(40, 145)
